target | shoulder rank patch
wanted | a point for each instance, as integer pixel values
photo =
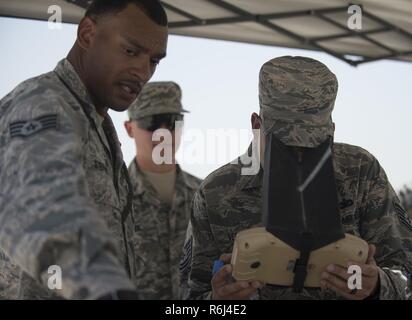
(30, 127)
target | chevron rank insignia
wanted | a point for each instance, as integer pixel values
(30, 127)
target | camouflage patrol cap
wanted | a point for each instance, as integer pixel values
(157, 98)
(297, 96)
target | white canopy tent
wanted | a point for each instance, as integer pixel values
(321, 25)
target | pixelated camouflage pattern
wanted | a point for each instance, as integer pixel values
(406, 199)
(186, 261)
(228, 202)
(64, 196)
(157, 98)
(159, 233)
(297, 96)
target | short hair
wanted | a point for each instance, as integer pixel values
(152, 8)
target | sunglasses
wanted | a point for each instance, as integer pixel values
(152, 123)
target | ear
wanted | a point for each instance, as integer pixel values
(254, 119)
(86, 32)
(129, 128)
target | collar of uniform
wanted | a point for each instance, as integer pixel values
(137, 178)
(184, 188)
(252, 181)
(141, 184)
(249, 181)
(182, 176)
(66, 71)
(100, 119)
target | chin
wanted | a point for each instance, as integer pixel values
(119, 107)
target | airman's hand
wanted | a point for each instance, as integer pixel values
(336, 278)
(226, 288)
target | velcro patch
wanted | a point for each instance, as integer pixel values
(30, 127)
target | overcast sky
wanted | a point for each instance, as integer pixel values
(220, 87)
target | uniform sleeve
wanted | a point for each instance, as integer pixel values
(204, 251)
(186, 258)
(385, 224)
(185, 263)
(47, 217)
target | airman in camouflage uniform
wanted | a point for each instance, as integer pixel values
(65, 197)
(53, 148)
(160, 227)
(296, 100)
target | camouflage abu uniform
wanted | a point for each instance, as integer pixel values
(406, 199)
(297, 97)
(64, 197)
(159, 231)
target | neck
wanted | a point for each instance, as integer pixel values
(149, 165)
(75, 58)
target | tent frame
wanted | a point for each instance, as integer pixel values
(314, 42)
(311, 43)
